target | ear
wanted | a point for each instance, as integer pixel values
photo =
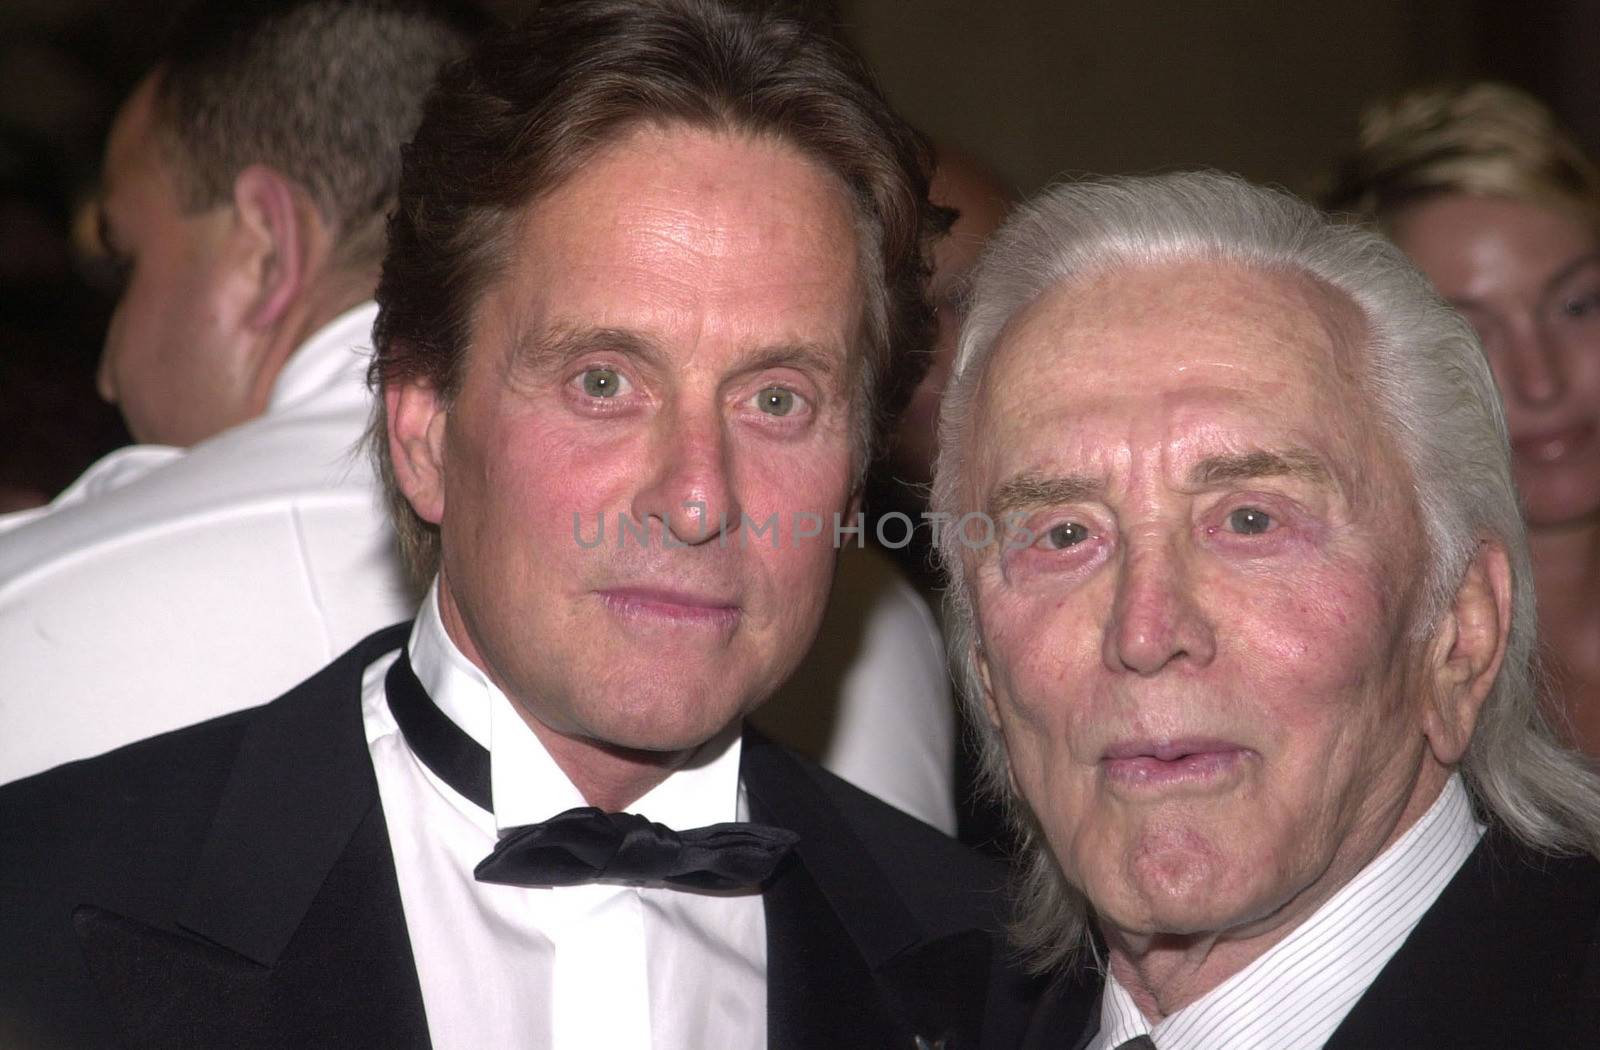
(1467, 651)
(415, 415)
(269, 210)
(980, 667)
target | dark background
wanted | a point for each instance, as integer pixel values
(1267, 88)
(1035, 88)
(1270, 89)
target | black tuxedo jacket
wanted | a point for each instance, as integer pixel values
(1508, 956)
(231, 885)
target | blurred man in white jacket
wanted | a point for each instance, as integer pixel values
(242, 542)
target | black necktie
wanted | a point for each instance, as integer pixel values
(584, 844)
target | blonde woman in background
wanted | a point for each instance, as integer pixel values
(1500, 207)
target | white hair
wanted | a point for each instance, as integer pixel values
(1433, 391)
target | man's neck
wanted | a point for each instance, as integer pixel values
(607, 776)
(1163, 973)
(333, 295)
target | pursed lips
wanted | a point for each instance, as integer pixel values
(1171, 762)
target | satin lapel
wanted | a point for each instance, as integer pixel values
(1068, 1015)
(301, 936)
(848, 965)
(820, 991)
(344, 979)
(932, 984)
(1498, 957)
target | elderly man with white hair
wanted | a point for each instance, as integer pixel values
(1241, 594)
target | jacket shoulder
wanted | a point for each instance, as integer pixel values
(120, 842)
(1506, 956)
(156, 797)
(112, 804)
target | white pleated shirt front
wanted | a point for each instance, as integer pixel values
(556, 968)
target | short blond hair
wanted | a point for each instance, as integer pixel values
(1480, 138)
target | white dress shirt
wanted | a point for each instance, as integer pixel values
(1295, 995)
(568, 967)
(167, 586)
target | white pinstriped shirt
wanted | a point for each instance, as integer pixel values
(1298, 991)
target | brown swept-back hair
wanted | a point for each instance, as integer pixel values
(527, 109)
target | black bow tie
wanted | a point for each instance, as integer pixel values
(591, 845)
(584, 844)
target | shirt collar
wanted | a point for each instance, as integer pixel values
(1330, 954)
(336, 355)
(528, 785)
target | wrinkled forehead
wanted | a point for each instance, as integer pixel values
(1196, 351)
(1180, 318)
(669, 201)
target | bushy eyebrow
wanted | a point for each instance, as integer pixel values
(1026, 491)
(551, 349)
(825, 363)
(1249, 466)
(543, 351)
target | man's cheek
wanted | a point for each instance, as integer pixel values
(1036, 651)
(1323, 634)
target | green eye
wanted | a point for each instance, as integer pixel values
(1248, 521)
(601, 382)
(1067, 534)
(776, 401)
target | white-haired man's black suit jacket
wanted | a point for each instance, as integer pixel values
(1508, 956)
(232, 885)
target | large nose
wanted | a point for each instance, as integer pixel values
(1156, 620)
(1532, 365)
(689, 487)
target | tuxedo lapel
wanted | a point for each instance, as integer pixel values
(345, 977)
(820, 990)
(848, 965)
(291, 932)
(1068, 1014)
(1497, 959)
(932, 985)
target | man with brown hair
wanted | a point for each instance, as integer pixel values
(651, 270)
